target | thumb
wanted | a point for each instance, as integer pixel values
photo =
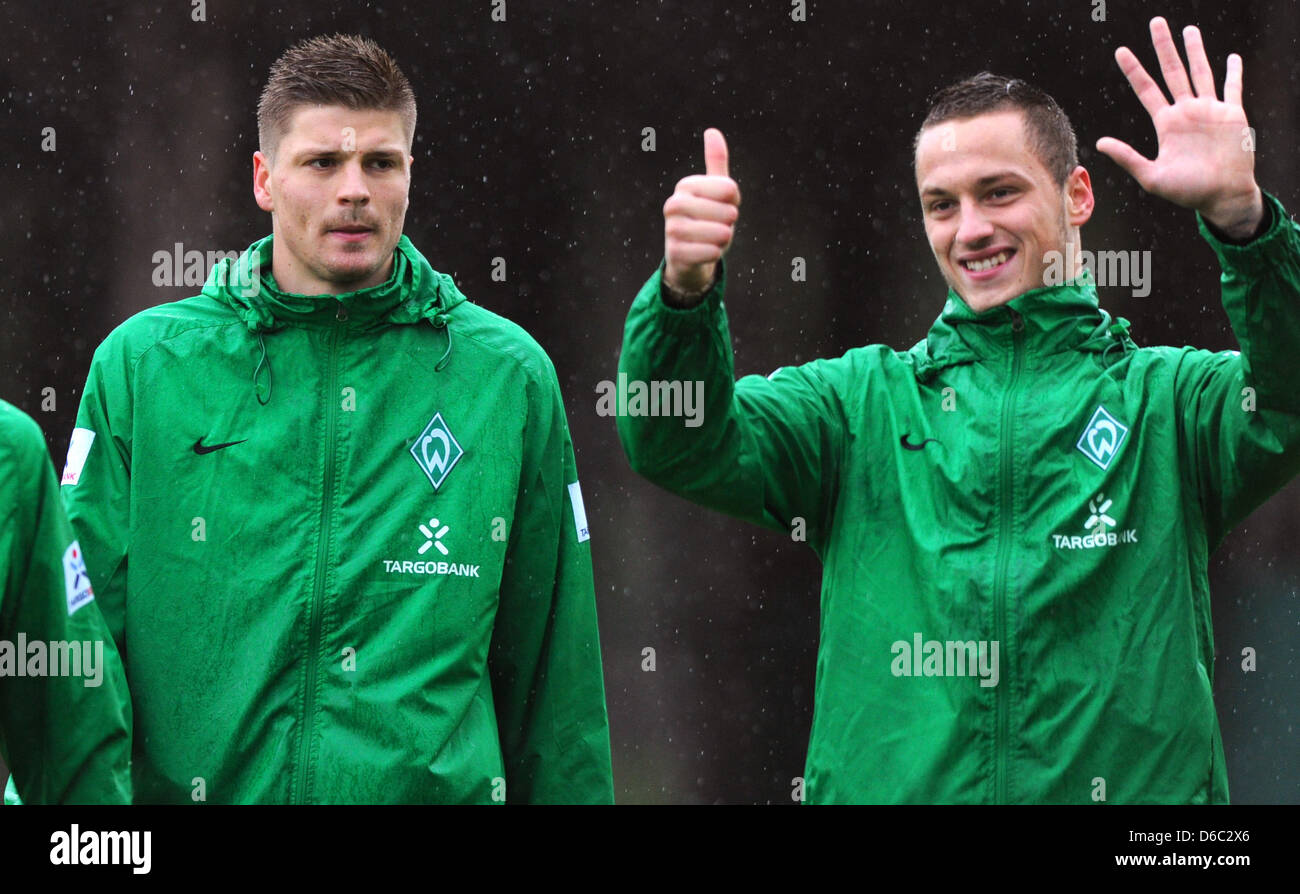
(1126, 157)
(715, 153)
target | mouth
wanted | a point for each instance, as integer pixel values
(351, 233)
(985, 268)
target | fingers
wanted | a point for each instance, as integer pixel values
(706, 186)
(1127, 158)
(691, 205)
(702, 209)
(715, 153)
(687, 229)
(1170, 64)
(686, 255)
(1202, 76)
(1148, 92)
(1232, 83)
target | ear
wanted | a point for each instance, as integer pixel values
(1078, 197)
(262, 182)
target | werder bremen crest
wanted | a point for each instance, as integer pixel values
(436, 450)
(1102, 438)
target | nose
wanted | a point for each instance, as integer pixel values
(974, 226)
(352, 182)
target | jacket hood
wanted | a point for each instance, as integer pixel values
(414, 292)
(1052, 319)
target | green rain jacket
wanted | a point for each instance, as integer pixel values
(1014, 519)
(341, 545)
(65, 715)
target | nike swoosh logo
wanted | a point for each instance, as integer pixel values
(920, 446)
(200, 448)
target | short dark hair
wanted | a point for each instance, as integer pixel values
(343, 69)
(1051, 137)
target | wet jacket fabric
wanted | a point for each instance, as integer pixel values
(1014, 518)
(65, 714)
(340, 542)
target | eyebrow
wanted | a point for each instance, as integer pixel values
(320, 151)
(980, 183)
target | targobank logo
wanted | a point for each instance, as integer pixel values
(431, 537)
(436, 450)
(1097, 529)
(1102, 438)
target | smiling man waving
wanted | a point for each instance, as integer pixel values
(331, 506)
(1015, 515)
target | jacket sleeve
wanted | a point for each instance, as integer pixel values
(544, 659)
(97, 486)
(65, 735)
(766, 450)
(1241, 410)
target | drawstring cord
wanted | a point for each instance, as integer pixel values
(1118, 331)
(264, 360)
(439, 321)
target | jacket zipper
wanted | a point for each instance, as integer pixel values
(315, 610)
(1002, 698)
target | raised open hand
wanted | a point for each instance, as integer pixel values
(1206, 155)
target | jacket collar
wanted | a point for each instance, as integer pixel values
(414, 291)
(1052, 319)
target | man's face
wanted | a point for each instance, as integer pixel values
(337, 191)
(988, 200)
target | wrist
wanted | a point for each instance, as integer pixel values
(682, 298)
(1240, 221)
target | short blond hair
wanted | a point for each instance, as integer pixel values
(344, 69)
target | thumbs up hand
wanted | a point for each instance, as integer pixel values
(700, 220)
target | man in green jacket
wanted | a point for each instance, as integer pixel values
(65, 715)
(332, 505)
(1015, 515)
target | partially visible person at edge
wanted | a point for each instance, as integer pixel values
(332, 506)
(65, 715)
(1015, 515)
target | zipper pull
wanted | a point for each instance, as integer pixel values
(1017, 321)
(342, 315)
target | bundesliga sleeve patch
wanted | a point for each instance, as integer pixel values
(78, 450)
(579, 512)
(75, 577)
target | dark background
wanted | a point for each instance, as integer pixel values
(528, 147)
